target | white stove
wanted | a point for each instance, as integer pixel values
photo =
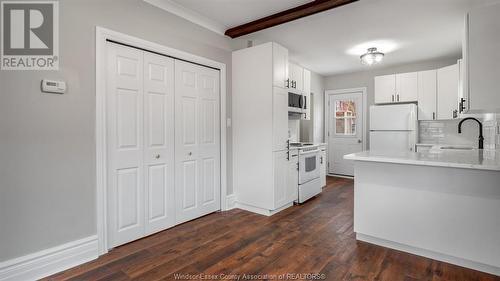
(309, 170)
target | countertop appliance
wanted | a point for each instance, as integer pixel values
(393, 127)
(309, 170)
(296, 103)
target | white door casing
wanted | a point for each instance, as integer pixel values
(350, 135)
(159, 142)
(125, 145)
(197, 141)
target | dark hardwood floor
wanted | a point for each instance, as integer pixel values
(314, 238)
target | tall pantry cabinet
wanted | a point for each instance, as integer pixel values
(261, 158)
(481, 57)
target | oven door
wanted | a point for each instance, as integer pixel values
(308, 166)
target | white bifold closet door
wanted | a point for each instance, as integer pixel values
(197, 141)
(163, 142)
(140, 137)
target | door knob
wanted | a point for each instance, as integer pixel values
(190, 153)
(360, 141)
(157, 156)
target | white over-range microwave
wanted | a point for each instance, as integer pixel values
(297, 103)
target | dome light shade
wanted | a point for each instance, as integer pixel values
(372, 57)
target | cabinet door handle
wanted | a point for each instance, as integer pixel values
(434, 116)
(287, 83)
(393, 98)
(398, 97)
(461, 107)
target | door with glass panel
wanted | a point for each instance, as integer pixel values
(345, 130)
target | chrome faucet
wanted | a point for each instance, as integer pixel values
(481, 138)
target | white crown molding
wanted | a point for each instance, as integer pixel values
(47, 262)
(188, 14)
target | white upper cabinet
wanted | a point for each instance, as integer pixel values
(438, 93)
(402, 87)
(280, 118)
(385, 88)
(280, 66)
(427, 95)
(406, 87)
(447, 92)
(481, 59)
(296, 75)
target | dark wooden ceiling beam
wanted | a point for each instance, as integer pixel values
(305, 10)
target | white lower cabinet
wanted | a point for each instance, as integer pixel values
(156, 114)
(293, 176)
(286, 176)
(322, 166)
(280, 164)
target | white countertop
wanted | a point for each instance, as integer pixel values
(472, 159)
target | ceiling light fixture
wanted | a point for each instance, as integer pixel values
(371, 57)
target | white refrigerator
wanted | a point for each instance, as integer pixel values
(393, 127)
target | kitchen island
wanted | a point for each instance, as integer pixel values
(440, 204)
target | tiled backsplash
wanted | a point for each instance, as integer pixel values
(446, 132)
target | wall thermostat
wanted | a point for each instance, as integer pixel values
(52, 86)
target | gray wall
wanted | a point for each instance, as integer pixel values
(47, 142)
(366, 78)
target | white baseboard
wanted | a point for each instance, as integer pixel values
(47, 262)
(261, 211)
(341, 176)
(230, 202)
(429, 254)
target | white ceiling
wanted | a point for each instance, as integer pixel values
(330, 42)
(232, 13)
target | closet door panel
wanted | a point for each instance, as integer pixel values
(125, 144)
(159, 142)
(197, 140)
